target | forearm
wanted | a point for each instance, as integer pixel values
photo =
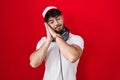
(70, 52)
(39, 55)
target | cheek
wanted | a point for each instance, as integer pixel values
(52, 26)
(61, 21)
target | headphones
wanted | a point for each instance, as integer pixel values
(65, 34)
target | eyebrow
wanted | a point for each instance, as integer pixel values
(54, 17)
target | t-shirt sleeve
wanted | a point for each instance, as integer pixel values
(40, 42)
(78, 41)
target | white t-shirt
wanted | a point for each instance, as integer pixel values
(53, 64)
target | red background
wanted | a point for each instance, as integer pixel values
(97, 21)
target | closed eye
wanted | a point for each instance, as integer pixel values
(58, 18)
(50, 22)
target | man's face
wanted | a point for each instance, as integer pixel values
(56, 23)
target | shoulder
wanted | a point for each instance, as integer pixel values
(42, 39)
(40, 42)
(76, 39)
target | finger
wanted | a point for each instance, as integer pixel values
(46, 26)
(50, 30)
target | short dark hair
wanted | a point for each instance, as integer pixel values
(52, 13)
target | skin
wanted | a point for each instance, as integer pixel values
(70, 52)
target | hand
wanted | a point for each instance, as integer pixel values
(52, 32)
(49, 37)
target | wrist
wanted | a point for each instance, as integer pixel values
(58, 36)
(48, 40)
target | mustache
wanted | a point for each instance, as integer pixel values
(58, 25)
(61, 31)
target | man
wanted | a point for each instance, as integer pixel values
(61, 49)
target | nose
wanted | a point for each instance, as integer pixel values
(56, 22)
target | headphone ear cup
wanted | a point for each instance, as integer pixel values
(65, 34)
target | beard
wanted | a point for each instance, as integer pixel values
(60, 31)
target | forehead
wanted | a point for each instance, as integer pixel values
(52, 18)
